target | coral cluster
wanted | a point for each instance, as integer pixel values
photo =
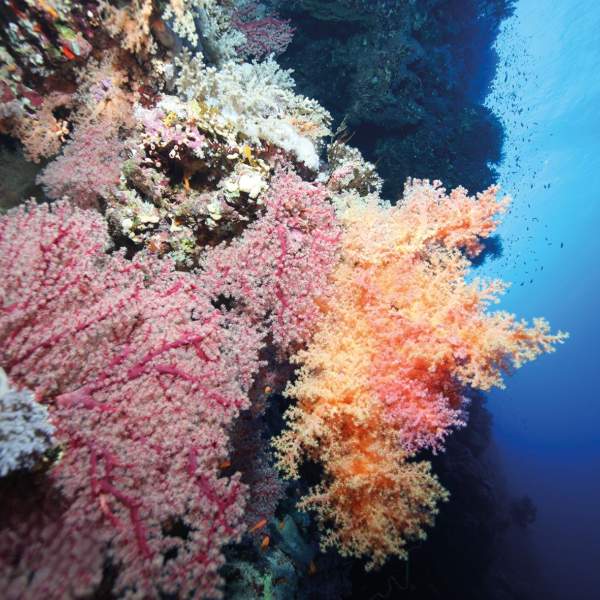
(25, 432)
(278, 268)
(142, 377)
(201, 163)
(205, 235)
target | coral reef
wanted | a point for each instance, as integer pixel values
(408, 77)
(206, 240)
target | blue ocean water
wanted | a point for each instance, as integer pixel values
(547, 423)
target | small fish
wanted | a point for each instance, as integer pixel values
(225, 464)
(163, 33)
(67, 52)
(265, 542)
(258, 526)
(268, 389)
(312, 568)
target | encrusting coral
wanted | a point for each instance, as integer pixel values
(204, 237)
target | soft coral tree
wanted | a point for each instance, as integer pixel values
(142, 377)
(402, 336)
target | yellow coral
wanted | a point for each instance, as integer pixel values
(247, 152)
(170, 119)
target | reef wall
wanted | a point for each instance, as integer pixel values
(407, 79)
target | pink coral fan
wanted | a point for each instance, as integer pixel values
(278, 268)
(88, 168)
(264, 34)
(142, 378)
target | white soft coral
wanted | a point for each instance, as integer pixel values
(25, 432)
(258, 101)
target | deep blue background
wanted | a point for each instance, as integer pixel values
(547, 422)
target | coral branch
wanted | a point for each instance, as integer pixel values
(402, 336)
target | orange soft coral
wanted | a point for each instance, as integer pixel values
(402, 336)
(131, 24)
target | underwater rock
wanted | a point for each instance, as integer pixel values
(409, 79)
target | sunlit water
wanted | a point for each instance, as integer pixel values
(547, 423)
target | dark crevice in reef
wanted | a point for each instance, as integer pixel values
(17, 175)
(409, 78)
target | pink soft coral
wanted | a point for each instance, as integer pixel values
(88, 168)
(142, 377)
(264, 35)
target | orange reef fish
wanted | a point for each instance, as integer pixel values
(258, 526)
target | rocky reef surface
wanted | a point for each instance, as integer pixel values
(407, 80)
